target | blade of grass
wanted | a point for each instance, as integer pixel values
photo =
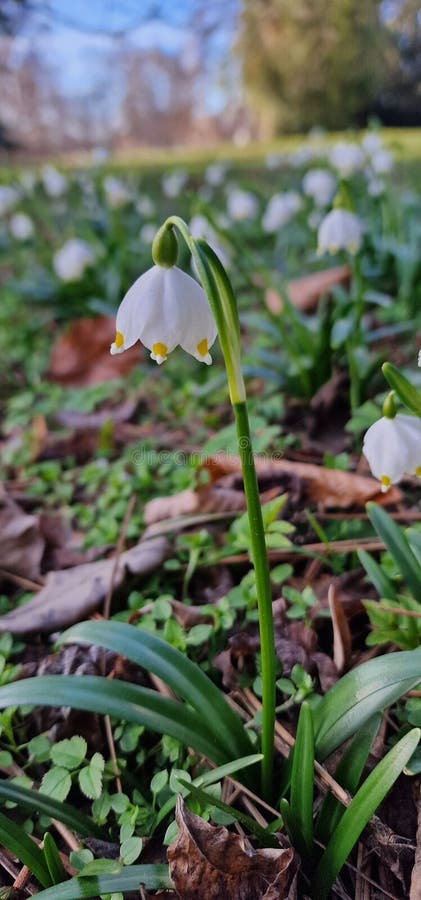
(184, 677)
(52, 858)
(359, 812)
(35, 801)
(378, 578)
(398, 547)
(15, 839)
(302, 779)
(347, 773)
(359, 694)
(127, 702)
(153, 877)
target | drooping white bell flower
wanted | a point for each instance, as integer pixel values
(21, 226)
(393, 448)
(347, 158)
(339, 230)
(280, 209)
(72, 259)
(381, 162)
(319, 184)
(241, 204)
(163, 308)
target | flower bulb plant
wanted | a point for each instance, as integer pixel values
(165, 308)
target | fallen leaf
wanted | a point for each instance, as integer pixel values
(317, 484)
(206, 860)
(342, 641)
(81, 355)
(72, 418)
(22, 544)
(72, 594)
(306, 292)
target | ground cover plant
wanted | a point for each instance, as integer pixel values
(210, 663)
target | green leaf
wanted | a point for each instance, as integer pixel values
(384, 586)
(347, 773)
(209, 800)
(153, 877)
(53, 860)
(398, 547)
(302, 779)
(130, 850)
(127, 702)
(15, 839)
(359, 812)
(184, 677)
(359, 694)
(37, 802)
(404, 389)
(208, 778)
(70, 752)
(90, 777)
(56, 783)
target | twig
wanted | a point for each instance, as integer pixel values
(26, 583)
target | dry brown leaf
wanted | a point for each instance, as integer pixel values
(81, 355)
(22, 544)
(306, 292)
(327, 487)
(342, 641)
(209, 861)
(72, 594)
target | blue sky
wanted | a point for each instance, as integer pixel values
(74, 37)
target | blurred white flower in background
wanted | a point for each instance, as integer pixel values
(381, 162)
(148, 232)
(339, 230)
(28, 180)
(320, 185)
(393, 448)
(53, 181)
(375, 186)
(116, 192)
(371, 142)
(314, 218)
(72, 259)
(301, 156)
(145, 207)
(273, 161)
(21, 227)
(241, 204)
(280, 209)
(347, 158)
(173, 183)
(9, 196)
(215, 174)
(163, 308)
(200, 227)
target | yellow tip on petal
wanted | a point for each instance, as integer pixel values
(385, 483)
(418, 471)
(159, 352)
(202, 347)
(119, 340)
(333, 248)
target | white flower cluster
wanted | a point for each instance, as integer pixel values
(393, 448)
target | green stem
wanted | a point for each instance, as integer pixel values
(264, 593)
(219, 292)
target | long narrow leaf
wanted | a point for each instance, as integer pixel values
(398, 547)
(53, 860)
(15, 839)
(405, 390)
(384, 586)
(34, 800)
(360, 694)
(153, 877)
(127, 702)
(184, 677)
(302, 778)
(347, 773)
(359, 812)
